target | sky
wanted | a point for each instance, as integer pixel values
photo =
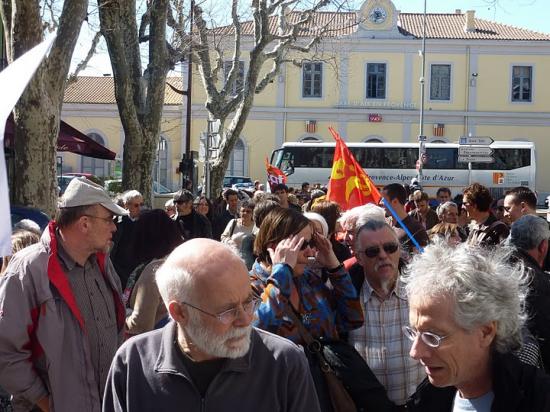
(529, 14)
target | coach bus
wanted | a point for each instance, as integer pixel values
(385, 163)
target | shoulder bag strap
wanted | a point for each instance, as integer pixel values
(232, 227)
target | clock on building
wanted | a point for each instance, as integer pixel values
(378, 15)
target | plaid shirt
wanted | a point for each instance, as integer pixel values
(381, 342)
(325, 311)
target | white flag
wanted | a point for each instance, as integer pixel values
(13, 81)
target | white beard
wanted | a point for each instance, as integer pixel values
(215, 345)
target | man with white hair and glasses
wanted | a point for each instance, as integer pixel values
(209, 358)
(380, 339)
(465, 323)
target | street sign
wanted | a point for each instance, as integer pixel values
(476, 159)
(475, 151)
(476, 140)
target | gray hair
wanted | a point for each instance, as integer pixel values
(372, 226)
(356, 217)
(528, 232)
(444, 208)
(318, 218)
(174, 283)
(130, 195)
(482, 284)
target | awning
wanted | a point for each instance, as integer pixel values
(69, 140)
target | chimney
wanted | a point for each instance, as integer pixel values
(458, 11)
(470, 25)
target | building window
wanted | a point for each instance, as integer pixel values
(237, 86)
(236, 166)
(91, 164)
(376, 80)
(160, 171)
(312, 80)
(440, 84)
(522, 78)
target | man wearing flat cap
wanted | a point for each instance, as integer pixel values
(61, 315)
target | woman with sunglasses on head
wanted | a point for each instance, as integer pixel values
(291, 292)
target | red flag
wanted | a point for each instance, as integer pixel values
(275, 175)
(349, 185)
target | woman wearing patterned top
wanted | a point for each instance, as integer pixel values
(284, 245)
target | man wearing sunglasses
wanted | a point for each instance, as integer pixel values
(209, 357)
(380, 340)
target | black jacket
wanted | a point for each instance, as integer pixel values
(517, 387)
(194, 225)
(538, 305)
(122, 253)
(220, 222)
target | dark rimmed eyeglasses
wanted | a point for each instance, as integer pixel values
(180, 202)
(228, 316)
(389, 248)
(429, 338)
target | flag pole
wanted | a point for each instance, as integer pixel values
(405, 228)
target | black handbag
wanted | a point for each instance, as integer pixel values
(339, 397)
(339, 361)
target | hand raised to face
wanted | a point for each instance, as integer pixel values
(325, 254)
(286, 251)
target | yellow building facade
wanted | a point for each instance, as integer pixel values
(482, 78)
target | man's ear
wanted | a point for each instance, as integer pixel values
(178, 312)
(488, 333)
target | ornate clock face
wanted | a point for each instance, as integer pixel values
(377, 15)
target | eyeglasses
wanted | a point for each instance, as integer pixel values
(389, 248)
(430, 339)
(228, 316)
(106, 219)
(311, 243)
(180, 202)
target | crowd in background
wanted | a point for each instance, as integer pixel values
(457, 318)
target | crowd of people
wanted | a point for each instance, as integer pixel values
(279, 302)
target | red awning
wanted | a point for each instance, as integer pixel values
(69, 140)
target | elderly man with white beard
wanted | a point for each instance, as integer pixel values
(380, 340)
(209, 358)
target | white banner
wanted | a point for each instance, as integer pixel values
(13, 81)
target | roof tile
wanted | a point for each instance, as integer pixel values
(439, 26)
(101, 90)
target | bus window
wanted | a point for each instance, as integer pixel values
(399, 157)
(369, 157)
(443, 158)
(506, 159)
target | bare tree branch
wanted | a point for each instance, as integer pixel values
(144, 24)
(84, 63)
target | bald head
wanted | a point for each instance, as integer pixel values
(199, 266)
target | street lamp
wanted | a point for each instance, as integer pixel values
(421, 136)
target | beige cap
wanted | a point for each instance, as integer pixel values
(83, 192)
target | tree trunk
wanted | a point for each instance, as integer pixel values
(37, 113)
(140, 97)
